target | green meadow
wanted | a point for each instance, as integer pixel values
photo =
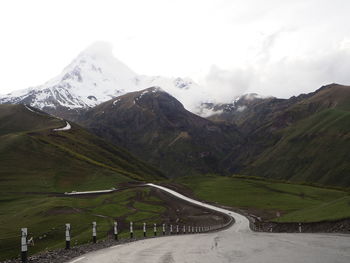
(296, 203)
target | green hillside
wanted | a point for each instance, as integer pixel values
(314, 146)
(315, 149)
(36, 158)
(301, 139)
(38, 164)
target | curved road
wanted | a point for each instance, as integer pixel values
(235, 244)
(65, 128)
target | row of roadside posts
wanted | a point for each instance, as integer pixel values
(173, 229)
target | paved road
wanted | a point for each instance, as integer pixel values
(236, 244)
(65, 128)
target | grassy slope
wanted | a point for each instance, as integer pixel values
(314, 146)
(297, 203)
(35, 160)
(316, 149)
(46, 217)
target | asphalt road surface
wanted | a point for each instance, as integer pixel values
(235, 244)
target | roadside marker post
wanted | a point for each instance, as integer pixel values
(177, 229)
(144, 229)
(94, 232)
(155, 229)
(184, 229)
(171, 229)
(163, 229)
(189, 229)
(67, 236)
(131, 230)
(299, 227)
(116, 230)
(192, 229)
(24, 247)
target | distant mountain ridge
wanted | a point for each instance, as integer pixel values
(157, 128)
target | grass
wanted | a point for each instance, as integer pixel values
(45, 217)
(296, 203)
(336, 209)
(149, 207)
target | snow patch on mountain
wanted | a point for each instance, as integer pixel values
(29, 108)
(238, 104)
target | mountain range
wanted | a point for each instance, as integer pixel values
(157, 128)
(301, 139)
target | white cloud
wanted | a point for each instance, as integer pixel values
(272, 47)
(224, 85)
(284, 78)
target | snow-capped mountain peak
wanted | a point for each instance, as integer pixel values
(93, 77)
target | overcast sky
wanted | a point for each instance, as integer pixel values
(272, 47)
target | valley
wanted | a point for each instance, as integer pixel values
(279, 162)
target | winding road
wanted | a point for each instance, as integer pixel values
(65, 128)
(235, 244)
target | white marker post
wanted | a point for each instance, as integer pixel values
(24, 247)
(94, 232)
(192, 229)
(144, 229)
(177, 229)
(155, 229)
(116, 230)
(189, 229)
(163, 229)
(171, 229)
(184, 229)
(67, 236)
(131, 230)
(299, 227)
